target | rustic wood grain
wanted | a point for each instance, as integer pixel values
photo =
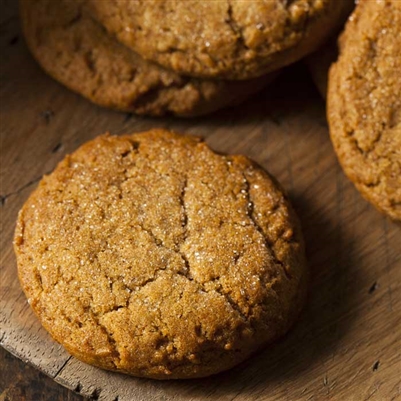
(347, 344)
(20, 382)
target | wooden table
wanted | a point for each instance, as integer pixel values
(347, 344)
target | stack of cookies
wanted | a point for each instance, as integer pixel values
(149, 253)
(184, 58)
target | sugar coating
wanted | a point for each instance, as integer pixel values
(231, 39)
(364, 103)
(152, 255)
(75, 50)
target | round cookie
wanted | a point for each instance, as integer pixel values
(151, 255)
(76, 50)
(233, 39)
(364, 103)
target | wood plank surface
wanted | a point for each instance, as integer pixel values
(347, 343)
(20, 381)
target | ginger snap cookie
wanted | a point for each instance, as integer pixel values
(364, 103)
(76, 50)
(151, 255)
(233, 39)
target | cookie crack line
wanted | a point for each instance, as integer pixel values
(240, 40)
(372, 44)
(184, 223)
(159, 242)
(268, 244)
(373, 144)
(110, 339)
(150, 94)
(201, 286)
(181, 200)
(234, 305)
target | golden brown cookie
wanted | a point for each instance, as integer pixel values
(364, 103)
(233, 39)
(152, 255)
(76, 50)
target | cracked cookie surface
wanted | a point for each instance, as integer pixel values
(77, 51)
(231, 39)
(152, 255)
(364, 103)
